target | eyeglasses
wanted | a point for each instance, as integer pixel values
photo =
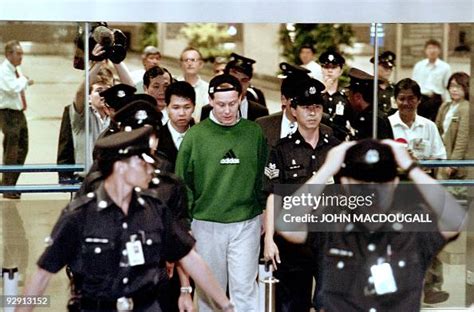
(193, 60)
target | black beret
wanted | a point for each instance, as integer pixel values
(140, 110)
(217, 81)
(115, 95)
(387, 58)
(308, 92)
(241, 63)
(125, 144)
(331, 57)
(369, 161)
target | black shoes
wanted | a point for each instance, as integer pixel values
(12, 195)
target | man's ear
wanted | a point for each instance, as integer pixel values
(293, 111)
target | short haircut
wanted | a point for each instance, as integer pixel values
(181, 89)
(190, 49)
(433, 42)
(106, 166)
(463, 80)
(153, 72)
(307, 46)
(11, 46)
(407, 84)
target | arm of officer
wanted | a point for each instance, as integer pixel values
(36, 287)
(331, 167)
(451, 216)
(185, 302)
(202, 275)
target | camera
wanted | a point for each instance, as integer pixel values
(114, 43)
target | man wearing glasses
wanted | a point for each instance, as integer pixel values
(191, 64)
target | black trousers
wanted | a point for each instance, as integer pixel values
(15, 142)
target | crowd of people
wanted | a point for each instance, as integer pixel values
(185, 176)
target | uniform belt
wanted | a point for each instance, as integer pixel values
(108, 304)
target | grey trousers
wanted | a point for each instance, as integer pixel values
(231, 250)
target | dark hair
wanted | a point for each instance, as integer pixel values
(106, 165)
(190, 49)
(182, 89)
(407, 84)
(367, 91)
(463, 80)
(433, 42)
(307, 46)
(153, 72)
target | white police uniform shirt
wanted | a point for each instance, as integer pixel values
(423, 137)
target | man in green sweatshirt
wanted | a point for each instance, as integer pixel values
(221, 161)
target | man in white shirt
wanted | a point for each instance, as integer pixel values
(191, 65)
(421, 134)
(12, 117)
(306, 55)
(424, 142)
(432, 75)
(151, 57)
(180, 103)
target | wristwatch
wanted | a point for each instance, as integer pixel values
(186, 290)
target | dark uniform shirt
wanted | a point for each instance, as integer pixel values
(386, 96)
(349, 250)
(294, 161)
(337, 112)
(91, 235)
(362, 125)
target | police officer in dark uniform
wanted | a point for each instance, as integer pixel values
(141, 112)
(386, 100)
(114, 238)
(337, 110)
(294, 160)
(379, 266)
(360, 95)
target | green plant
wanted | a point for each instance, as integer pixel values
(208, 38)
(322, 36)
(149, 35)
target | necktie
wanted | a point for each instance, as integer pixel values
(179, 140)
(22, 93)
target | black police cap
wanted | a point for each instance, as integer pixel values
(241, 63)
(216, 84)
(369, 161)
(331, 57)
(308, 92)
(115, 95)
(125, 144)
(387, 58)
(359, 79)
(289, 71)
(140, 110)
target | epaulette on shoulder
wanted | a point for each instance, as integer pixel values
(288, 138)
(81, 201)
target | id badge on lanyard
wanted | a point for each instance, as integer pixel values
(135, 251)
(382, 275)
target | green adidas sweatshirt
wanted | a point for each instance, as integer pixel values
(223, 169)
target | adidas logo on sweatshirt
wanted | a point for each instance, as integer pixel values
(230, 158)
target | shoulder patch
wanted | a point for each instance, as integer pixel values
(271, 171)
(79, 202)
